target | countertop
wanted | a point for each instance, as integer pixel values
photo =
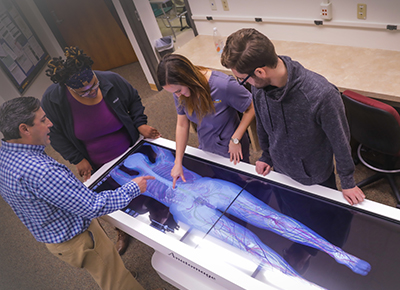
(372, 72)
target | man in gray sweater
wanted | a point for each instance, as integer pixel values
(301, 122)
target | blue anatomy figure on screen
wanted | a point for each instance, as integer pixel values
(199, 202)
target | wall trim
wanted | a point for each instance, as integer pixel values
(297, 21)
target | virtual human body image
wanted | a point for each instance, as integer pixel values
(201, 201)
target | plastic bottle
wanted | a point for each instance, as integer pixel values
(218, 41)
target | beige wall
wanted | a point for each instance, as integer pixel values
(283, 20)
(293, 20)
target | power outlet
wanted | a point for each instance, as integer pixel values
(326, 11)
(225, 5)
(213, 5)
(361, 11)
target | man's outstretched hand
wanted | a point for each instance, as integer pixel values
(142, 182)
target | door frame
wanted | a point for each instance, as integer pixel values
(51, 22)
(189, 18)
(136, 25)
(133, 17)
(62, 17)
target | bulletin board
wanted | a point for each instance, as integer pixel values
(22, 55)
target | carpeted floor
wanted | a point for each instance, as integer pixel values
(26, 264)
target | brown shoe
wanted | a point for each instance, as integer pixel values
(122, 242)
(135, 274)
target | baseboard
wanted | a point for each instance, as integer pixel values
(153, 87)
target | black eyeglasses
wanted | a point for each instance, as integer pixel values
(242, 81)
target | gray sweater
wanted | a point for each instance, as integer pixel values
(302, 125)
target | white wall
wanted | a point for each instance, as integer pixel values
(283, 20)
(293, 20)
(150, 25)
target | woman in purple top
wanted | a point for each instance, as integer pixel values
(96, 115)
(211, 100)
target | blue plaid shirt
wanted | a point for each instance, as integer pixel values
(46, 196)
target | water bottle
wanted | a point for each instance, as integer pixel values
(218, 41)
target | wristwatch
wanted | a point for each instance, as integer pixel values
(235, 141)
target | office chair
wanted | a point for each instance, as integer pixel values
(163, 12)
(167, 11)
(181, 12)
(376, 126)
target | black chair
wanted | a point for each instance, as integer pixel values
(376, 126)
(181, 12)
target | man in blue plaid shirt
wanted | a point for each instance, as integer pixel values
(52, 203)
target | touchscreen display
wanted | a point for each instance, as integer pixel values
(262, 226)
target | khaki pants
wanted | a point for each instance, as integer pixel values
(95, 252)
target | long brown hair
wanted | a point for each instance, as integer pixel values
(175, 69)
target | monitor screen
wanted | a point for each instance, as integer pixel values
(260, 226)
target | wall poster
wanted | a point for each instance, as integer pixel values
(21, 54)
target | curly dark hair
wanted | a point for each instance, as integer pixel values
(60, 70)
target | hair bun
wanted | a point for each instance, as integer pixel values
(60, 70)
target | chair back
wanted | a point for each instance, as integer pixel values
(374, 124)
(159, 11)
(179, 3)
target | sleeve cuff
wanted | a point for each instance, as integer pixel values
(133, 188)
(347, 182)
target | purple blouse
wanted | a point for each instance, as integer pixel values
(215, 130)
(102, 133)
